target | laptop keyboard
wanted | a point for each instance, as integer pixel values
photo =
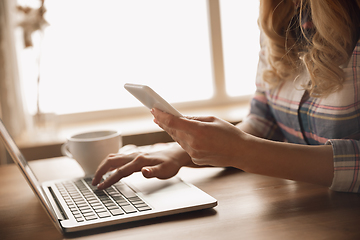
(87, 203)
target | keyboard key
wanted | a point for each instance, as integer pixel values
(137, 202)
(140, 205)
(82, 205)
(112, 207)
(89, 214)
(116, 212)
(100, 210)
(91, 218)
(134, 199)
(103, 214)
(129, 209)
(86, 211)
(98, 207)
(122, 202)
(145, 208)
(81, 219)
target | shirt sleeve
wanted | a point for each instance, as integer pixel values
(346, 151)
(346, 165)
(260, 116)
(262, 120)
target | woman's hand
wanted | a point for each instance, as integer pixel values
(208, 140)
(163, 163)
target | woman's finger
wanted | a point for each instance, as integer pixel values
(134, 166)
(171, 122)
(112, 162)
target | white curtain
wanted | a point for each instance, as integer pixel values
(12, 110)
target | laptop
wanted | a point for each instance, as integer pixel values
(75, 205)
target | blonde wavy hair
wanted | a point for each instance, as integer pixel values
(336, 30)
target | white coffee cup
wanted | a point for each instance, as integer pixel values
(90, 148)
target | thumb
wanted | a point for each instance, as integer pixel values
(148, 172)
(158, 171)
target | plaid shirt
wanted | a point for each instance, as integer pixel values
(287, 113)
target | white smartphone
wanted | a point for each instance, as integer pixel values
(150, 98)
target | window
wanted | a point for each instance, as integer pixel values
(91, 48)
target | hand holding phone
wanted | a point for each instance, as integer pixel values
(150, 98)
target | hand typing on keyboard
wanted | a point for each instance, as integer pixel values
(161, 161)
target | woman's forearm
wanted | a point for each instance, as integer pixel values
(313, 164)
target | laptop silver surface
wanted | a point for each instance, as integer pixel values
(72, 205)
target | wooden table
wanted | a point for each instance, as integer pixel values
(250, 207)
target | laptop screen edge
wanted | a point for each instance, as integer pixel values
(28, 174)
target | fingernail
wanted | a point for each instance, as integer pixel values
(152, 111)
(100, 186)
(146, 172)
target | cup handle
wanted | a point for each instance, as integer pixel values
(65, 151)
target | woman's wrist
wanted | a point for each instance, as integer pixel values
(179, 153)
(244, 150)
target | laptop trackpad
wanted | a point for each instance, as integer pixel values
(148, 186)
(171, 194)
